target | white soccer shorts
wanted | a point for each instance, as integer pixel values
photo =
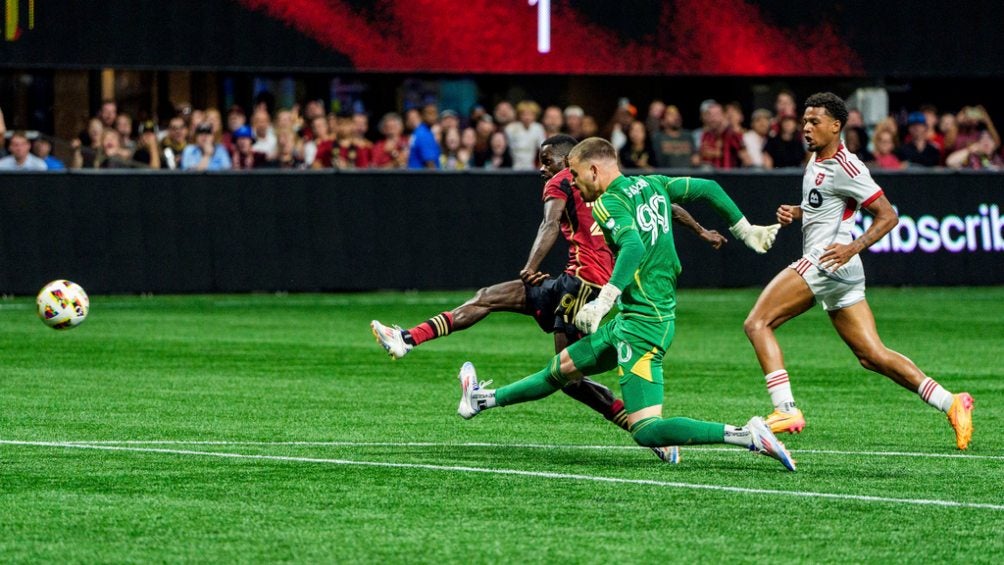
(840, 289)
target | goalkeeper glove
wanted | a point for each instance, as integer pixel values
(589, 317)
(757, 238)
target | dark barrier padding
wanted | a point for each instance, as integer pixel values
(231, 232)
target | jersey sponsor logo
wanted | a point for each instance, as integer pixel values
(815, 198)
(819, 179)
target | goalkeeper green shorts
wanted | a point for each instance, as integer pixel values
(636, 348)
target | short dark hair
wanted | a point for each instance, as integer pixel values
(833, 104)
(593, 148)
(562, 143)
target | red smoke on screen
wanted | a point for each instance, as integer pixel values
(726, 37)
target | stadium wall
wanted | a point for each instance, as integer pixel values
(237, 232)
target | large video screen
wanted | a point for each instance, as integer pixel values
(626, 37)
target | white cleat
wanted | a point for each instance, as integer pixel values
(766, 443)
(670, 454)
(470, 405)
(391, 339)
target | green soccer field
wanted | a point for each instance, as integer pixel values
(261, 428)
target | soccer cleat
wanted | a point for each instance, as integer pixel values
(669, 454)
(786, 422)
(960, 415)
(765, 443)
(391, 339)
(470, 406)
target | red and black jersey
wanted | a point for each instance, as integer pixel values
(588, 255)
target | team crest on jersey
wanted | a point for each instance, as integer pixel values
(815, 198)
(819, 179)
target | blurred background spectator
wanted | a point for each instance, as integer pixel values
(147, 153)
(856, 142)
(786, 148)
(498, 153)
(917, 149)
(525, 136)
(553, 121)
(885, 145)
(424, 150)
(637, 153)
(756, 138)
(42, 148)
(673, 145)
(391, 151)
(243, 156)
(980, 155)
(721, 146)
(205, 154)
(573, 121)
(20, 157)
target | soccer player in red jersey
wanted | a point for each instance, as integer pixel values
(835, 184)
(552, 301)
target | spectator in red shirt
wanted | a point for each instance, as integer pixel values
(885, 143)
(391, 152)
(721, 146)
(980, 155)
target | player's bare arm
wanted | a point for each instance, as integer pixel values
(788, 213)
(683, 217)
(547, 234)
(886, 218)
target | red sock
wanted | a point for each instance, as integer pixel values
(436, 326)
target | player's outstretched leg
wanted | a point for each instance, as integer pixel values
(503, 297)
(755, 435)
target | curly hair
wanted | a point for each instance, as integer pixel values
(833, 104)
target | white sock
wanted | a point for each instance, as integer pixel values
(780, 390)
(935, 395)
(738, 436)
(484, 398)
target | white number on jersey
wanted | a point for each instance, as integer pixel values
(653, 217)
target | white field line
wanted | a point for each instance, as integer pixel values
(521, 473)
(502, 445)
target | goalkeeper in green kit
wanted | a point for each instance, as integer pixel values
(635, 216)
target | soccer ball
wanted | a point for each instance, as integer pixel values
(62, 304)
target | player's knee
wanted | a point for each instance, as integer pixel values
(754, 325)
(554, 374)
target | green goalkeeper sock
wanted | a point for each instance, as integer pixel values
(658, 432)
(534, 387)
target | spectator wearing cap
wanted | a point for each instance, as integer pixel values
(42, 148)
(391, 152)
(525, 136)
(756, 138)
(552, 121)
(673, 145)
(20, 158)
(448, 119)
(918, 150)
(243, 156)
(573, 121)
(147, 151)
(205, 154)
(424, 150)
(721, 147)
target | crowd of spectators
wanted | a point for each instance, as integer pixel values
(507, 137)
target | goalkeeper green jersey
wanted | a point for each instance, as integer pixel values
(635, 216)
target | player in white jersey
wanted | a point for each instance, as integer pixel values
(835, 185)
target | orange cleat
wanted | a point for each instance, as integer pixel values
(786, 422)
(960, 416)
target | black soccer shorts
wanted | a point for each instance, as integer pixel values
(554, 302)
